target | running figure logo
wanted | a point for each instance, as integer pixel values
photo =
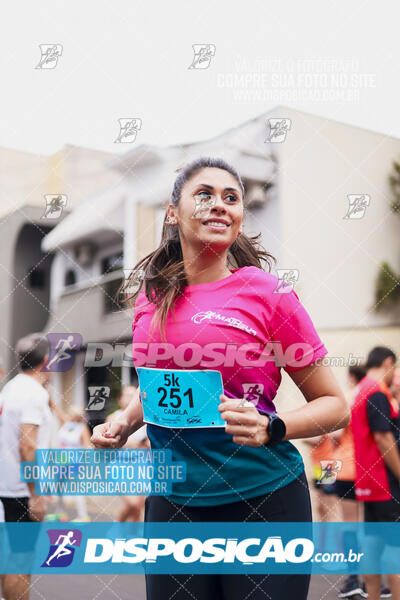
(203, 205)
(252, 392)
(358, 204)
(133, 279)
(55, 203)
(97, 397)
(128, 129)
(203, 54)
(50, 53)
(286, 280)
(329, 471)
(63, 347)
(278, 129)
(62, 547)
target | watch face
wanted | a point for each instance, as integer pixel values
(277, 428)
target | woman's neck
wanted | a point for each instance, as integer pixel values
(201, 272)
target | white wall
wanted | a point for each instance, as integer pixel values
(320, 163)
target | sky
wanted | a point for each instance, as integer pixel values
(124, 59)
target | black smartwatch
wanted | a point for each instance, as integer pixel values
(276, 429)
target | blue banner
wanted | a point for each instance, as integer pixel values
(251, 547)
(103, 472)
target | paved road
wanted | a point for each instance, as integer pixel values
(132, 587)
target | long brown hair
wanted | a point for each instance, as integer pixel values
(162, 272)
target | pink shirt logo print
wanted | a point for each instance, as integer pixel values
(215, 317)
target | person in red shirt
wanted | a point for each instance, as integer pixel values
(375, 422)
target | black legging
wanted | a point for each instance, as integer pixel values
(290, 503)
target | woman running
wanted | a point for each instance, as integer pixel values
(211, 316)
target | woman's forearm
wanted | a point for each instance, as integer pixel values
(133, 414)
(318, 416)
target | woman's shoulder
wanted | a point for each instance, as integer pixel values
(142, 302)
(267, 283)
(258, 275)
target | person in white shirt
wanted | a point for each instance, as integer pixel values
(26, 426)
(1, 475)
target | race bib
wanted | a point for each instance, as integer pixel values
(181, 398)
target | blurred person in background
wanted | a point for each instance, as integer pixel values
(126, 393)
(321, 449)
(132, 508)
(344, 486)
(395, 386)
(73, 434)
(376, 432)
(1, 474)
(26, 426)
(343, 451)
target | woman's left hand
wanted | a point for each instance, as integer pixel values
(243, 421)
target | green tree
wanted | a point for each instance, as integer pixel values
(387, 289)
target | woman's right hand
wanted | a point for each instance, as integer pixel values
(113, 434)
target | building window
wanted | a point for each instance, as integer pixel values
(112, 299)
(37, 278)
(70, 277)
(112, 263)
